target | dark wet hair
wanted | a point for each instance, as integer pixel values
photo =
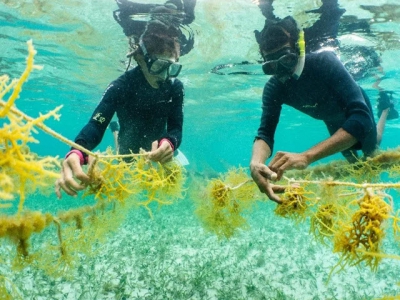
(160, 38)
(277, 33)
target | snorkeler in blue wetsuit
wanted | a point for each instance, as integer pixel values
(148, 101)
(318, 85)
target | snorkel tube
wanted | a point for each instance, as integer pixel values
(302, 56)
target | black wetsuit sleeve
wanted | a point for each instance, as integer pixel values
(359, 121)
(92, 133)
(271, 110)
(175, 118)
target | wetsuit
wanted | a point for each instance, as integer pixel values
(145, 114)
(325, 91)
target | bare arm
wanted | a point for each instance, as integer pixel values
(339, 141)
(261, 151)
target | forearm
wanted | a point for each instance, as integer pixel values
(339, 141)
(261, 152)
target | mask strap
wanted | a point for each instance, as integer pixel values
(129, 63)
(143, 47)
(277, 49)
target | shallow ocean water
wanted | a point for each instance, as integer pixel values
(170, 256)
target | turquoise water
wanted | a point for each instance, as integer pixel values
(82, 49)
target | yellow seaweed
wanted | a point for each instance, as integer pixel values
(222, 206)
(115, 184)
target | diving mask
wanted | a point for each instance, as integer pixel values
(156, 66)
(281, 62)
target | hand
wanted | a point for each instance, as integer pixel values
(162, 153)
(71, 168)
(261, 175)
(286, 161)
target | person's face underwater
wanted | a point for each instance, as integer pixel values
(280, 63)
(163, 66)
(157, 68)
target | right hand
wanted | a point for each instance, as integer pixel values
(162, 153)
(71, 170)
(262, 175)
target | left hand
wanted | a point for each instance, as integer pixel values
(161, 153)
(286, 161)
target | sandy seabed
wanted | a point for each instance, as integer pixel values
(172, 257)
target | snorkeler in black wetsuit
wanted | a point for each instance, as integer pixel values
(142, 113)
(178, 12)
(322, 35)
(148, 101)
(318, 85)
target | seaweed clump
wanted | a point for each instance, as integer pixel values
(20, 170)
(295, 203)
(359, 240)
(141, 181)
(355, 228)
(19, 228)
(222, 206)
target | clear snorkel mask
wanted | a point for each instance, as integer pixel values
(158, 66)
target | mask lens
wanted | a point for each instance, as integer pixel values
(288, 60)
(158, 66)
(270, 67)
(174, 70)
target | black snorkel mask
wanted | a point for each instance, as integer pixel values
(281, 62)
(288, 58)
